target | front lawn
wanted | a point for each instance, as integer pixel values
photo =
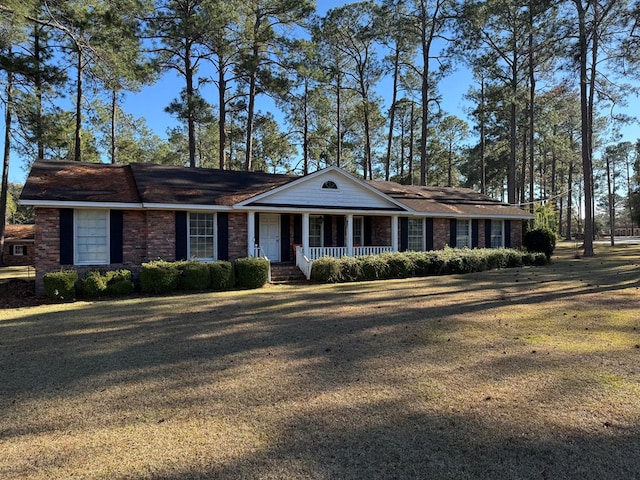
(530, 373)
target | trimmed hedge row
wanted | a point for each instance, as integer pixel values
(159, 277)
(420, 264)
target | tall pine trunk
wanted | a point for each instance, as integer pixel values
(5, 161)
(77, 155)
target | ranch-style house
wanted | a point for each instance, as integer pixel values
(119, 216)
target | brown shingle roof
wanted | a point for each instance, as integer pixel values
(171, 185)
(447, 200)
(201, 186)
(80, 182)
(19, 232)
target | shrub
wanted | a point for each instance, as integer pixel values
(159, 276)
(193, 275)
(97, 283)
(60, 286)
(350, 269)
(400, 265)
(374, 267)
(119, 282)
(540, 240)
(326, 270)
(221, 275)
(251, 272)
(94, 284)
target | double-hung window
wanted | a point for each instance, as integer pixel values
(357, 231)
(315, 231)
(497, 233)
(202, 234)
(415, 237)
(91, 237)
(463, 234)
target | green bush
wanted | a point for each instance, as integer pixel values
(193, 275)
(94, 284)
(251, 272)
(400, 265)
(350, 269)
(98, 283)
(374, 267)
(60, 286)
(326, 270)
(540, 240)
(159, 276)
(221, 275)
(119, 282)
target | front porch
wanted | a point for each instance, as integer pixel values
(303, 238)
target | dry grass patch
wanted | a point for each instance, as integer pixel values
(525, 373)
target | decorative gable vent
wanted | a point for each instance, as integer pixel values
(330, 184)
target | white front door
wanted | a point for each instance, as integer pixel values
(270, 236)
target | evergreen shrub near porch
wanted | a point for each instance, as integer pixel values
(420, 264)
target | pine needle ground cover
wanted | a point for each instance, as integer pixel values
(522, 373)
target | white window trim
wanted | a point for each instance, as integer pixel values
(215, 237)
(107, 260)
(20, 248)
(423, 234)
(501, 234)
(321, 217)
(470, 234)
(358, 218)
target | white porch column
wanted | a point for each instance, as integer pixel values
(394, 233)
(305, 234)
(349, 227)
(251, 233)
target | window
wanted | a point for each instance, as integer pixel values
(315, 231)
(330, 184)
(202, 236)
(463, 234)
(415, 240)
(18, 250)
(497, 236)
(91, 237)
(357, 231)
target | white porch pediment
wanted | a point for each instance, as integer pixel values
(331, 188)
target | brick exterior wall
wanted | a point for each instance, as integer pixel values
(161, 235)
(238, 232)
(441, 235)
(516, 233)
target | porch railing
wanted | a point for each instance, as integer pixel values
(339, 252)
(304, 262)
(257, 252)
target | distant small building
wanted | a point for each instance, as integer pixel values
(19, 245)
(627, 232)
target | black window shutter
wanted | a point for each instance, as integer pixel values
(487, 233)
(507, 233)
(404, 233)
(297, 229)
(453, 233)
(181, 235)
(368, 231)
(429, 241)
(66, 236)
(116, 236)
(328, 230)
(223, 236)
(285, 246)
(340, 232)
(474, 233)
(256, 230)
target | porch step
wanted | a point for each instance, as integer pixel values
(286, 273)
